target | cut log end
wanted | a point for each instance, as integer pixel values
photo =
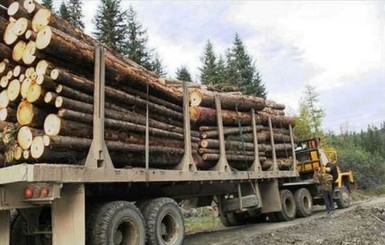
(4, 81)
(29, 5)
(43, 38)
(21, 26)
(3, 114)
(195, 98)
(17, 153)
(9, 36)
(55, 74)
(24, 113)
(41, 67)
(13, 8)
(18, 50)
(37, 147)
(26, 154)
(59, 102)
(29, 53)
(34, 93)
(52, 125)
(13, 91)
(24, 137)
(41, 19)
(4, 101)
(25, 87)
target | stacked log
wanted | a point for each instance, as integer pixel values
(47, 97)
(47, 104)
(238, 129)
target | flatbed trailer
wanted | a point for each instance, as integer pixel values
(57, 202)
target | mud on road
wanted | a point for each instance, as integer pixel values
(362, 223)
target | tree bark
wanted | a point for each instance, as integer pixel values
(200, 97)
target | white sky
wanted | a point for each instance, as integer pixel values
(337, 46)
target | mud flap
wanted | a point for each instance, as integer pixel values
(68, 216)
(271, 201)
(5, 227)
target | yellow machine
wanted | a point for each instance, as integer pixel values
(310, 156)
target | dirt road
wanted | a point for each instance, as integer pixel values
(362, 223)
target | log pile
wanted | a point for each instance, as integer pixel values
(47, 97)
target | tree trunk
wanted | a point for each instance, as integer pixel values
(200, 97)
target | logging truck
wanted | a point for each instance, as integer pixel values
(97, 150)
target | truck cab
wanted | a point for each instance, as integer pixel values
(310, 156)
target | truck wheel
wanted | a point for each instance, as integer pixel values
(288, 206)
(224, 220)
(19, 229)
(233, 219)
(164, 220)
(303, 201)
(343, 200)
(118, 222)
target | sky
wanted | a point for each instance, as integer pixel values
(336, 46)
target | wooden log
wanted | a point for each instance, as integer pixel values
(25, 136)
(36, 94)
(25, 85)
(5, 51)
(283, 164)
(201, 97)
(18, 51)
(9, 35)
(13, 90)
(29, 54)
(207, 116)
(8, 114)
(262, 137)
(112, 93)
(4, 101)
(4, 82)
(239, 146)
(118, 69)
(235, 152)
(29, 114)
(16, 10)
(273, 105)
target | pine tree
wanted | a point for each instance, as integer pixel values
(209, 70)
(48, 4)
(110, 28)
(74, 8)
(241, 70)
(157, 66)
(63, 11)
(183, 74)
(221, 76)
(309, 121)
(136, 47)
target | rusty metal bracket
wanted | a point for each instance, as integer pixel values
(98, 155)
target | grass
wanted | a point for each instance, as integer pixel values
(202, 224)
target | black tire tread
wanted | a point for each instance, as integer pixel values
(282, 215)
(300, 208)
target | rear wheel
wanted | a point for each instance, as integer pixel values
(164, 220)
(303, 201)
(343, 200)
(116, 223)
(288, 206)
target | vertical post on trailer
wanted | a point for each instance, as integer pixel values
(98, 156)
(187, 163)
(68, 216)
(222, 164)
(5, 229)
(256, 166)
(293, 168)
(275, 166)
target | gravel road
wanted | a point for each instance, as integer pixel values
(362, 223)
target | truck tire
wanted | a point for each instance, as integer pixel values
(164, 221)
(343, 200)
(233, 219)
(19, 226)
(304, 203)
(118, 222)
(224, 220)
(288, 206)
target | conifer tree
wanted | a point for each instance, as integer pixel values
(48, 4)
(75, 15)
(110, 27)
(183, 74)
(136, 41)
(157, 66)
(241, 70)
(63, 11)
(209, 70)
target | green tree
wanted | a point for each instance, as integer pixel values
(209, 70)
(136, 42)
(183, 74)
(309, 121)
(48, 4)
(241, 70)
(157, 66)
(110, 27)
(63, 11)
(75, 15)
